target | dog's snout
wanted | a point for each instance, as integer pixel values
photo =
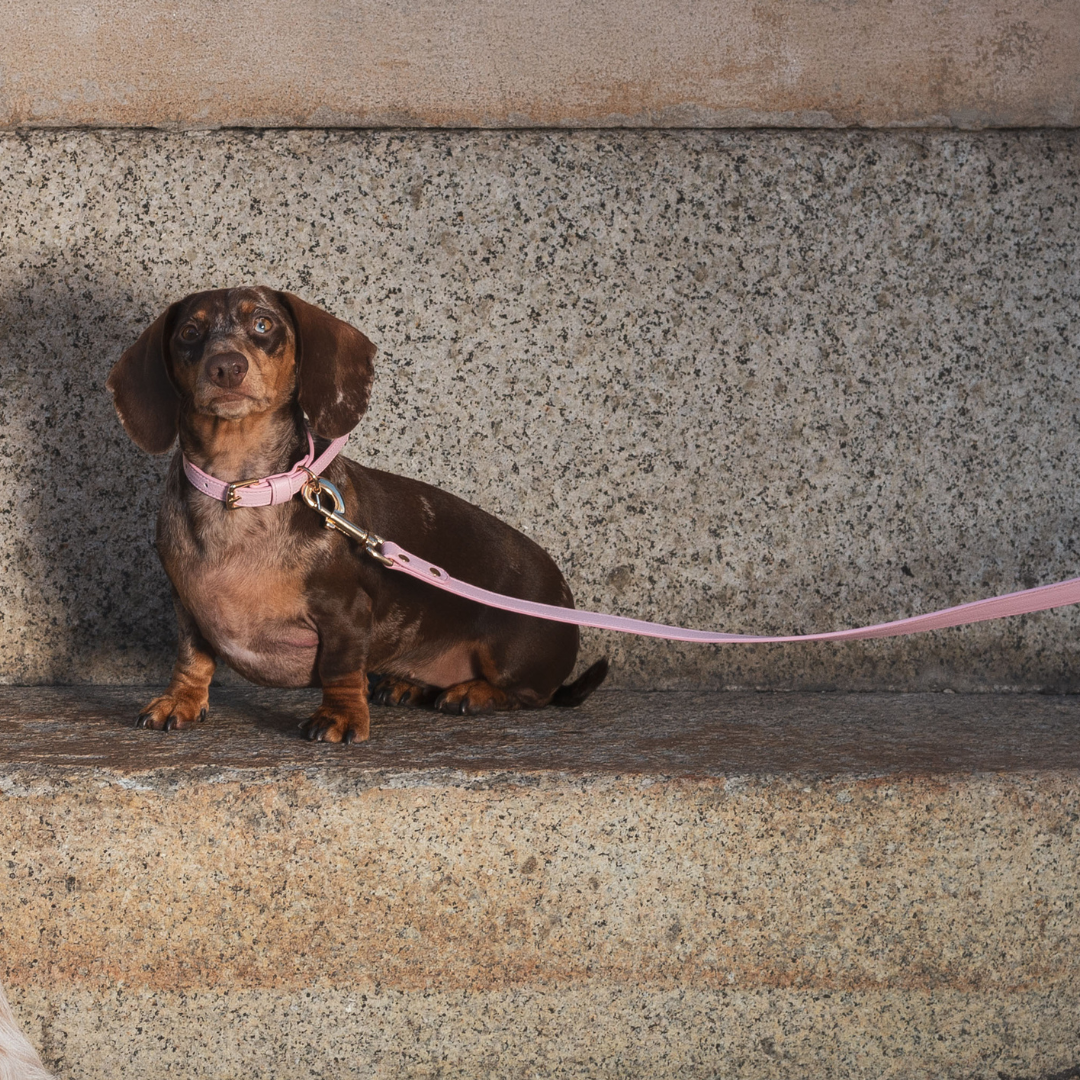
(227, 369)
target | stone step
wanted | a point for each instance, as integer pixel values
(693, 885)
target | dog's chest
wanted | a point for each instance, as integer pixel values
(250, 606)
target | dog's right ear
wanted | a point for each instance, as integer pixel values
(334, 368)
(145, 399)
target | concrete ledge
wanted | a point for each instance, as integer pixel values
(504, 63)
(663, 885)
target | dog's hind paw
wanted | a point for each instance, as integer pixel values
(475, 696)
(390, 690)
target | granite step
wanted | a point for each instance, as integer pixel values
(693, 885)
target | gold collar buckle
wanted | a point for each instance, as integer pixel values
(232, 493)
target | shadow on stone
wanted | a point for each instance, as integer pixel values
(79, 516)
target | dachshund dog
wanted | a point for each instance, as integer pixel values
(287, 602)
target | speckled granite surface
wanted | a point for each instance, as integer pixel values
(755, 381)
(681, 885)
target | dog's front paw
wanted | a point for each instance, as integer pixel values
(172, 712)
(334, 725)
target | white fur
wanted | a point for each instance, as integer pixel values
(18, 1059)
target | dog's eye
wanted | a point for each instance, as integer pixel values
(261, 325)
(189, 333)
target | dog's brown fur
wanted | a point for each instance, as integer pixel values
(274, 594)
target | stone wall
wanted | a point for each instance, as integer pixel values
(509, 63)
(760, 381)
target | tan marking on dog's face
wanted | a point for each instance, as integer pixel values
(229, 323)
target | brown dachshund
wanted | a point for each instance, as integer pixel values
(287, 602)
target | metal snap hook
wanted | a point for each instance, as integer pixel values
(312, 492)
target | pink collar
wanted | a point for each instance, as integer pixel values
(267, 490)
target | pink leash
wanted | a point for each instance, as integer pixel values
(997, 607)
(303, 477)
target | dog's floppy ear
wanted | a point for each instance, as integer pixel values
(334, 368)
(145, 399)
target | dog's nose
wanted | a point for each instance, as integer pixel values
(227, 369)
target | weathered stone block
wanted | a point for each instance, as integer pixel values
(507, 63)
(680, 885)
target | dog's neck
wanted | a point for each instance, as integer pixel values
(258, 445)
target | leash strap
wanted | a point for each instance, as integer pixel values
(267, 490)
(1042, 598)
(395, 557)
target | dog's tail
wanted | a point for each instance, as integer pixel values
(576, 692)
(18, 1059)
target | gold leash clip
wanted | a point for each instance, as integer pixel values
(335, 518)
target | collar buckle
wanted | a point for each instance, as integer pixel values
(232, 493)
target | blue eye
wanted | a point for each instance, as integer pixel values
(262, 325)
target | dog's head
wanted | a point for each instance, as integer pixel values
(231, 353)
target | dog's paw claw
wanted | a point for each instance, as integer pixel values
(316, 730)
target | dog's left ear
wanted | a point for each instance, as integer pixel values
(145, 399)
(334, 368)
